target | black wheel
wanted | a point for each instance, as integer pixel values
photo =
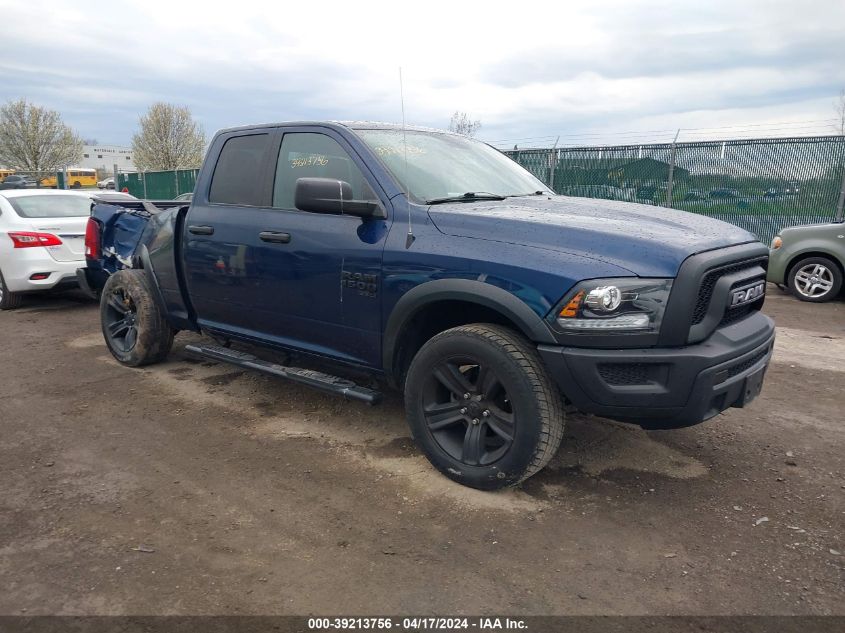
(134, 327)
(76, 185)
(815, 279)
(9, 300)
(482, 407)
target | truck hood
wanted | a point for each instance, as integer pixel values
(647, 240)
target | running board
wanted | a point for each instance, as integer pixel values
(316, 379)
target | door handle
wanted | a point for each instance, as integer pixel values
(275, 237)
(201, 230)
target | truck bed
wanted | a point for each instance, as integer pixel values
(122, 226)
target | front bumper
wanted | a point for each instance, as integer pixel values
(667, 387)
(778, 261)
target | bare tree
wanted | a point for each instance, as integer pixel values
(35, 139)
(169, 138)
(839, 108)
(461, 124)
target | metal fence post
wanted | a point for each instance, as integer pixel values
(840, 205)
(144, 180)
(176, 179)
(552, 165)
(672, 170)
(116, 177)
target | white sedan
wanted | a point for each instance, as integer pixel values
(42, 240)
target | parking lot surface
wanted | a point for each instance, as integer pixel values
(196, 488)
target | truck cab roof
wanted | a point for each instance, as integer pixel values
(349, 125)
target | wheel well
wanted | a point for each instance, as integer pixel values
(798, 258)
(434, 318)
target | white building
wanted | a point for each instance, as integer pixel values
(106, 156)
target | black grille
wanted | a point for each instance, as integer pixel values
(624, 373)
(747, 363)
(708, 283)
(732, 316)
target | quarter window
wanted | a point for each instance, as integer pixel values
(311, 155)
(237, 175)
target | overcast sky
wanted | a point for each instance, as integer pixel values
(589, 71)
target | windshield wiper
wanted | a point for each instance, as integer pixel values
(533, 193)
(469, 196)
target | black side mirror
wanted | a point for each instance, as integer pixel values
(327, 195)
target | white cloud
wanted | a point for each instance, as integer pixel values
(524, 69)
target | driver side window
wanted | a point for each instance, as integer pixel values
(312, 155)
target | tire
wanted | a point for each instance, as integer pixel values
(9, 300)
(815, 279)
(499, 376)
(134, 327)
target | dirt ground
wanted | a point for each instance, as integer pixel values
(195, 488)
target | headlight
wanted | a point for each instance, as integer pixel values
(615, 306)
(777, 242)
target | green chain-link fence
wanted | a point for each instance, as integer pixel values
(158, 185)
(762, 185)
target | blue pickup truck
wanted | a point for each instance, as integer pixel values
(370, 255)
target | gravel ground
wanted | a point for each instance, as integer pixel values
(195, 488)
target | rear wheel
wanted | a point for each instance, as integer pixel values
(815, 279)
(482, 407)
(8, 300)
(134, 327)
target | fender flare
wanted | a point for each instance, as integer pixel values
(469, 290)
(811, 250)
(146, 265)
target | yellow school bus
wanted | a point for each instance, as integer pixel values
(76, 177)
(5, 172)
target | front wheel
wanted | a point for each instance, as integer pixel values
(482, 407)
(133, 325)
(815, 279)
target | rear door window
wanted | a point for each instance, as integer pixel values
(238, 174)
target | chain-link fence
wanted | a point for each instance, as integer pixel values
(158, 185)
(762, 185)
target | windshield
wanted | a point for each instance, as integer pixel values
(447, 165)
(51, 206)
